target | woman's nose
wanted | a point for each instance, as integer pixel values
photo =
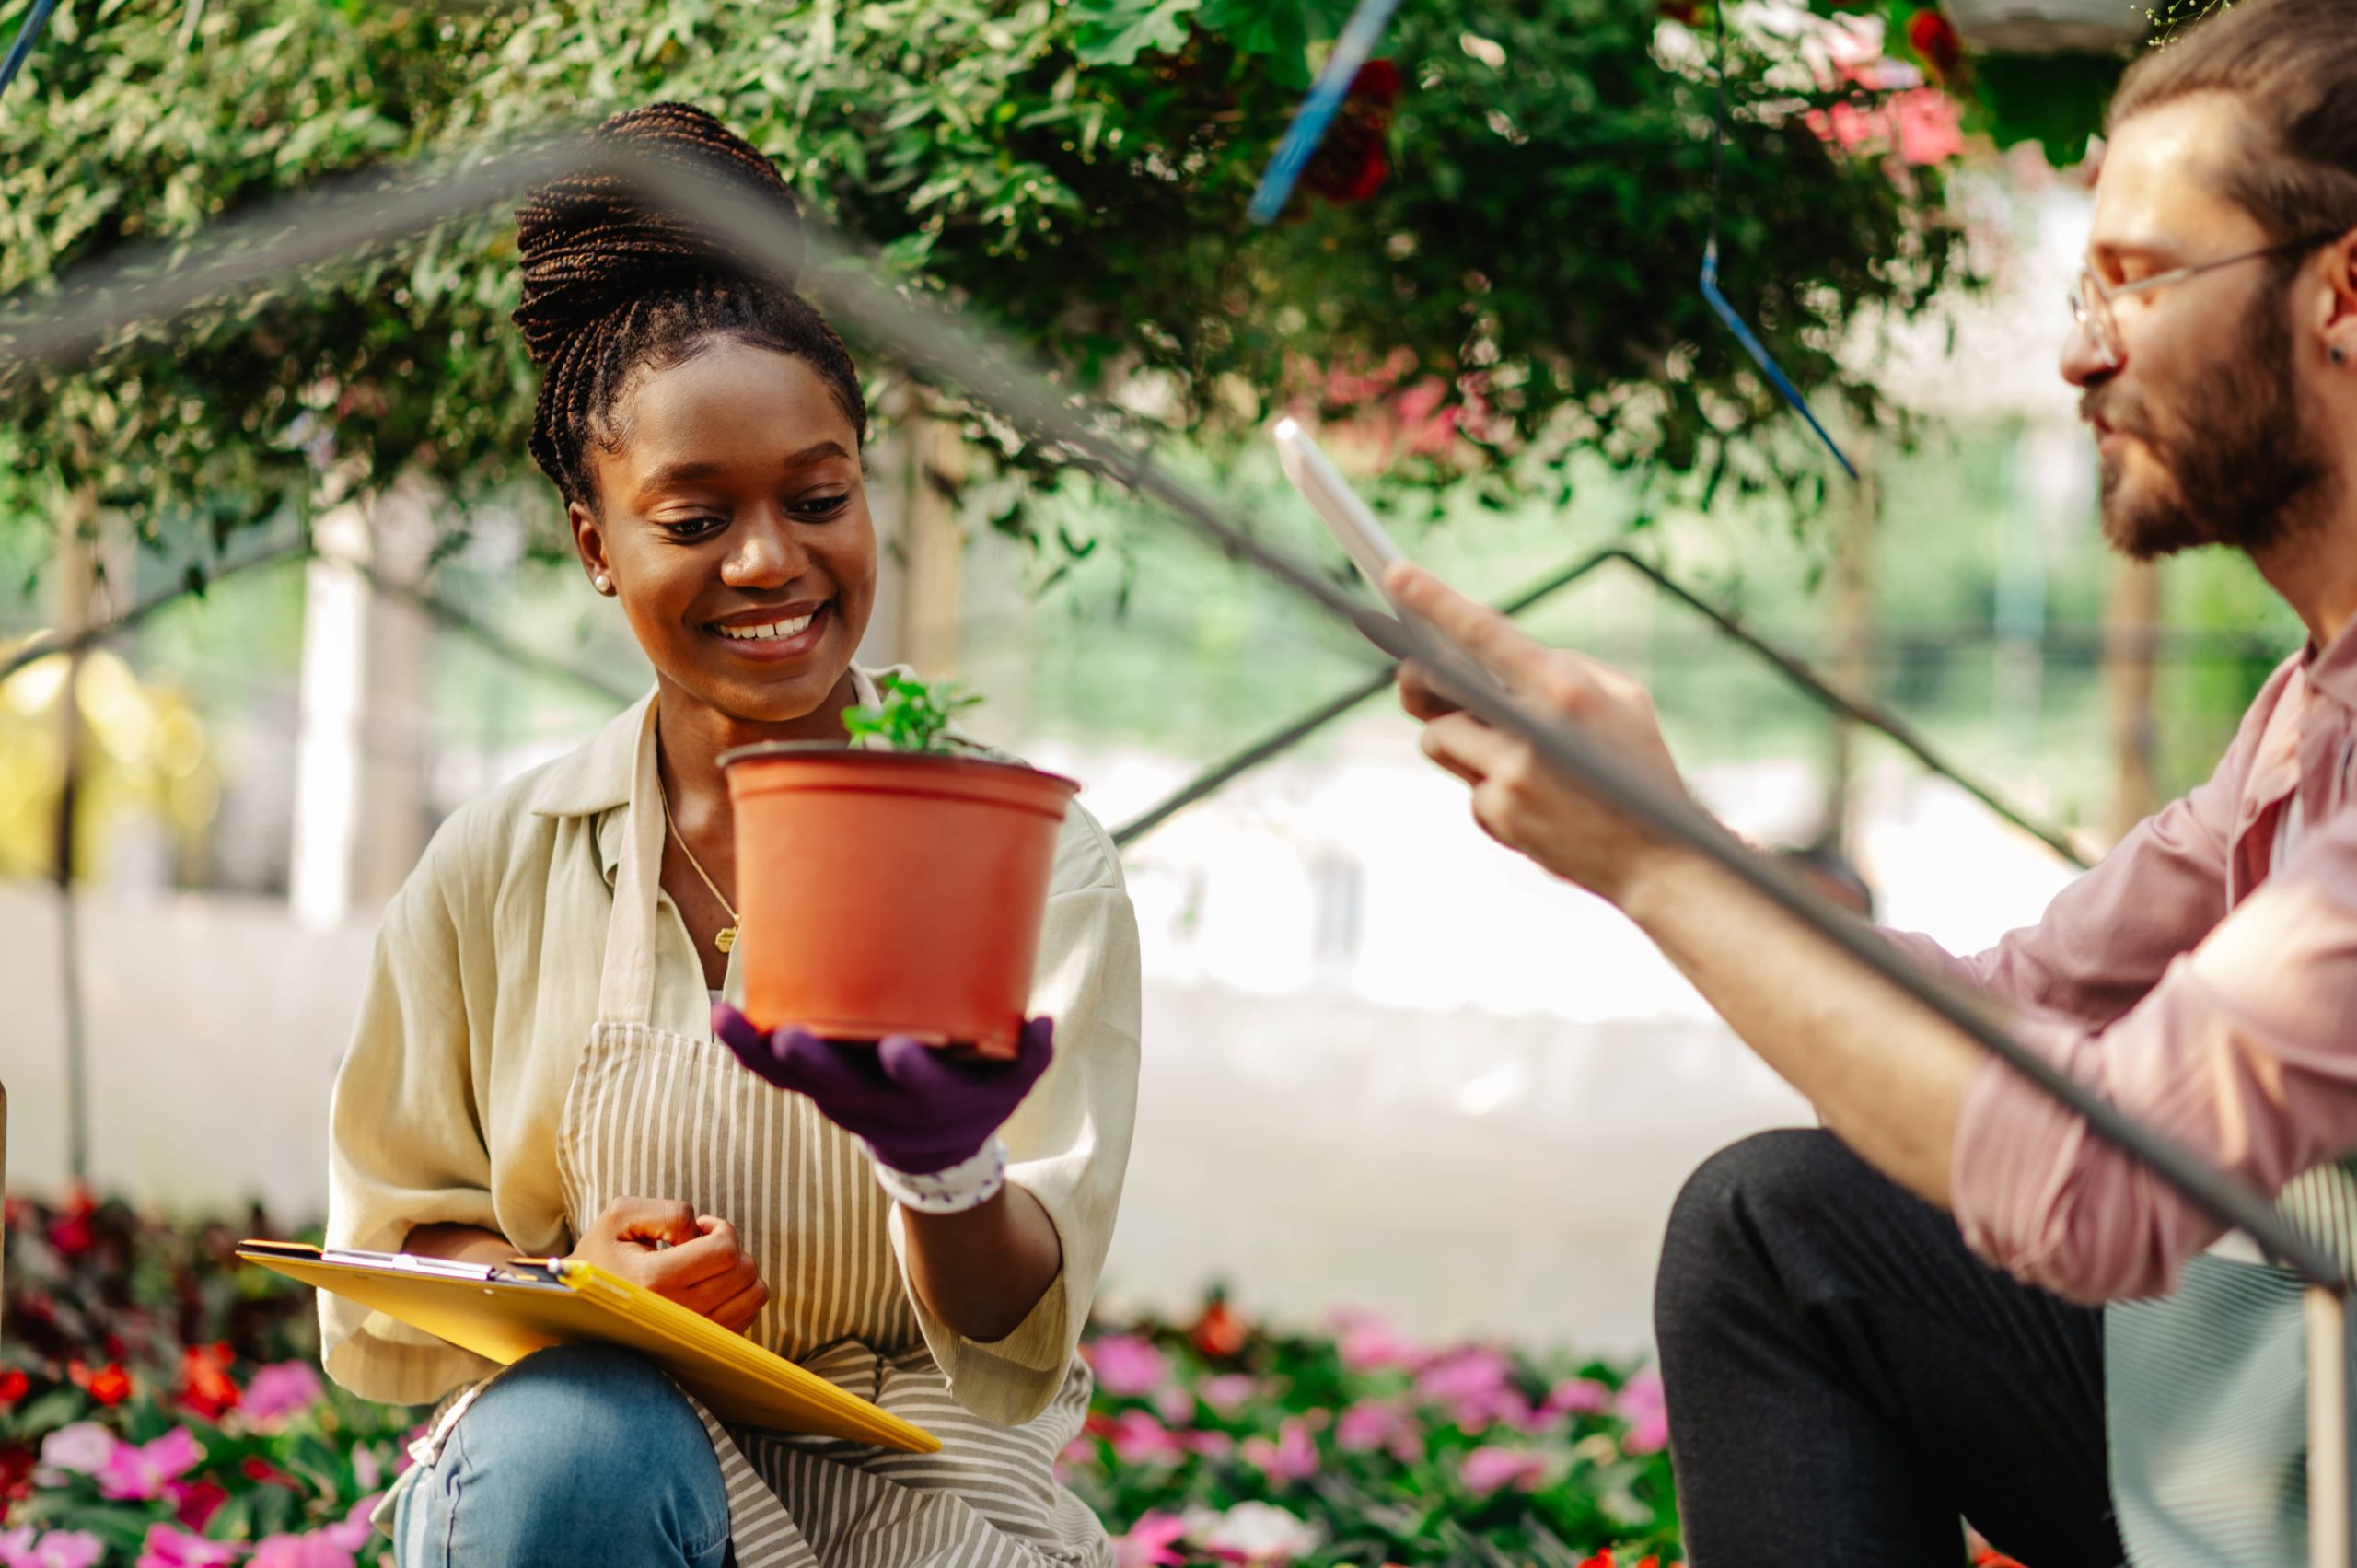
(768, 555)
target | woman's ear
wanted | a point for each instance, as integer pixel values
(2340, 323)
(589, 544)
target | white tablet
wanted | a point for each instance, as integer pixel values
(1336, 502)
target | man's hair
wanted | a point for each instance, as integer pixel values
(614, 287)
(2293, 66)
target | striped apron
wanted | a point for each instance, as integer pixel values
(2206, 1389)
(655, 1114)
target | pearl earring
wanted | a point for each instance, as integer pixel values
(602, 583)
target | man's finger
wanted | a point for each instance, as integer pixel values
(1487, 635)
(1467, 747)
(651, 1220)
(1417, 695)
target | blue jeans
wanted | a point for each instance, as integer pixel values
(580, 1453)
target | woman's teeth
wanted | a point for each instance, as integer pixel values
(771, 630)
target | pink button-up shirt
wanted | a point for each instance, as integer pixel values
(2210, 994)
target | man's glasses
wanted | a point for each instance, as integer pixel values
(2092, 298)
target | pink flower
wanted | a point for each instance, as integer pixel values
(58, 1548)
(1367, 1427)
(1228, 1392)
(1174, 1404)
(1642, 1407)
(315, 1550)
(1578, 1396)
(142, 1473)
(1210, 1445)
(1138, 1438)
(1929, 126)
(81, 1449)
(1488, 1468)
(1475, 1385)
(1293, 1457)
(1126, 1366)
(1149, 1543)
(352, 1532)
(281, 1390)
(169, 1548)
(1367, 1345)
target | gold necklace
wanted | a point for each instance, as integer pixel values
(725, 938)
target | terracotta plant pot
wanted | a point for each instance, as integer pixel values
(886, 893)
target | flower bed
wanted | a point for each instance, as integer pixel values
(159, 1407)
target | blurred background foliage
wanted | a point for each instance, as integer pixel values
(1497, 247)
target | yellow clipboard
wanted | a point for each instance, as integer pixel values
(505, 1311)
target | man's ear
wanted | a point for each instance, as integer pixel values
(589, 544)
(2338, 326)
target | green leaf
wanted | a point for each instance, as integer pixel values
(1115, 32)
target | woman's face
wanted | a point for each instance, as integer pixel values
(733, 523)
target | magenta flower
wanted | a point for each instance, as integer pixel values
(1149, 1543)
(281, 1390)
(1475, 1385)
(1293, 1457)
(1138, 1438)
(1210, 1445)
(141, 1472)
(169, 1548)
(1641, 1406)
(20, 1547)
(1489, 1468)
(1369, 1425)
(81, 1449)
(314, 1550)
(1126, 1366)
(1228, 1392)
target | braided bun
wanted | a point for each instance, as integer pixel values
(590, 242)
(614, 285)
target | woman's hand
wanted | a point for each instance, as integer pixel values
(919, 1110)
(702, 1268)
(1518, 800)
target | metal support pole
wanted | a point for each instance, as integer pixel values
(2332, 1532)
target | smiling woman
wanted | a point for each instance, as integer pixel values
(534, 1070)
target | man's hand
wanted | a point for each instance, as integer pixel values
(1517, 798)
(704, 1268)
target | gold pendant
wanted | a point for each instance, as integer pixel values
(725, 939)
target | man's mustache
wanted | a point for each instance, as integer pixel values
(2106, 410)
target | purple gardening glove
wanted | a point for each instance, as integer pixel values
(919, 1110)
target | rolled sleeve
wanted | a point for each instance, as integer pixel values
(2243, 1055)
(1068, 1143)
(406, 1145)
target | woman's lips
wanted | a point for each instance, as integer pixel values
(769, 645)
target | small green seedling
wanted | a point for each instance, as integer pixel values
(913, 715)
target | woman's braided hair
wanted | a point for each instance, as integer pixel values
(614, 286)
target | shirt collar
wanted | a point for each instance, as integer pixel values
(2332, 669)
(594, 780)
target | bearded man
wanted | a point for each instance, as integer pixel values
(1953, 1300)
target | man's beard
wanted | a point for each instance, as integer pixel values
(2242, 465)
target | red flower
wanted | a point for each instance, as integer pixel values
(205, 1385)
(1219, 1333)
(256, 1468)
(110, 1385)
(1352, 163)
(1933, 37)
(196, 1502)
(1681, 11)
(16, 1474)
(71, 1234)
(12, 1386)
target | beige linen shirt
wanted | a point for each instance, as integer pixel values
(479, 1004)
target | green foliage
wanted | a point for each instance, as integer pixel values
(914, 715)
(1075, 172)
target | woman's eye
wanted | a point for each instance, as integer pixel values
(691, 527)
(821, 505)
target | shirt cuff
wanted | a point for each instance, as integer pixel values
(2016, 1148)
